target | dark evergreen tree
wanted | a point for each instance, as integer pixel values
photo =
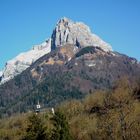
(61, 127)
(35, 129)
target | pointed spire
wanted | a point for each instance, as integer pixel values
(64, 20)
(69, 32)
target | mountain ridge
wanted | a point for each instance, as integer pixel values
(54, 77)
(65, 32)
(21, 62)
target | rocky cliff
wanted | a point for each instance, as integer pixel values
(76, 33)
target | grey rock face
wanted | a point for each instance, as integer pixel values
(77, 33)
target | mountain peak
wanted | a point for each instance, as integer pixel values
(76, 33)
(66, 32)
(64, 20)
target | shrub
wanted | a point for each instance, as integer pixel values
(35, 129)
(61, 127)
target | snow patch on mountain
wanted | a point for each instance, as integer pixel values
(1, 73)
(24, 60)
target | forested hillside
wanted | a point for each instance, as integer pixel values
(113, 114)
(62, 75)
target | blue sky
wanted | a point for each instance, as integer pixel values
(24, 23)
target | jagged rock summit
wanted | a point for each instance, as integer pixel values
(65, 32)
(76, 33)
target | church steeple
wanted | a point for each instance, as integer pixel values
(37, 108)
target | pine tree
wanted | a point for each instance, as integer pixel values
(35, 129)
(61, 127)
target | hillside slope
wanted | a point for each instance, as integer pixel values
(64, 74)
